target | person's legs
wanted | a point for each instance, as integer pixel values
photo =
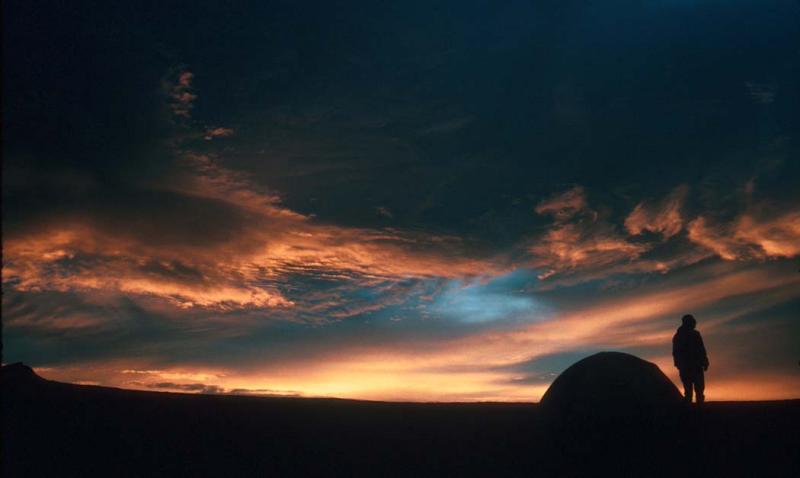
(700, 386)
(687, 384)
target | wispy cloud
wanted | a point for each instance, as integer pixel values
(565, 205)
(218, 132)
(581, 245)
(569, 248)
(79, 257)
(749, 236)
(181, 93)
(579, 239)
(662, 217)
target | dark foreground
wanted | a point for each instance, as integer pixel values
(53, 429)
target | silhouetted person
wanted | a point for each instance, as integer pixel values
(690, 357)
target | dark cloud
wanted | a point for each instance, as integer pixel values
(264, 392)
(188, 387)
(214, 389)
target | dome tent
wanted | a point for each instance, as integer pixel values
(611, 383)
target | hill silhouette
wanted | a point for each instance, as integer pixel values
(17, 374)
(56, 429)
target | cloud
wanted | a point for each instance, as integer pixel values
(210, 389)
(713, 239)
(181, 93)
(188, 387)
(750, 236)
(582, 246)
(64, 320)
(565, 205)
(579, 240)
(264, 392)
(569, 248)
(218, 132)
(663, 217)
(172, 374)
(776, 237)
(258, 259)
(82, 258)
(286, 242)
(243, 264)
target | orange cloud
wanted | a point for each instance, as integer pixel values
(241, 270)
(778, 237)
(564, 205)
(579, 239)
(569, 246)
(288, 242)
(710, 238)
(581, 246)
(663, 217)
(750, 236)
(79, 257)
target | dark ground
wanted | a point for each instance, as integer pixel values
(52, 429)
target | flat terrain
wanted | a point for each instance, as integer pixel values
(54, 429)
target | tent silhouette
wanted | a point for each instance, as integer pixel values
(611, 382)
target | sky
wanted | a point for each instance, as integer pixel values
(425, 201)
